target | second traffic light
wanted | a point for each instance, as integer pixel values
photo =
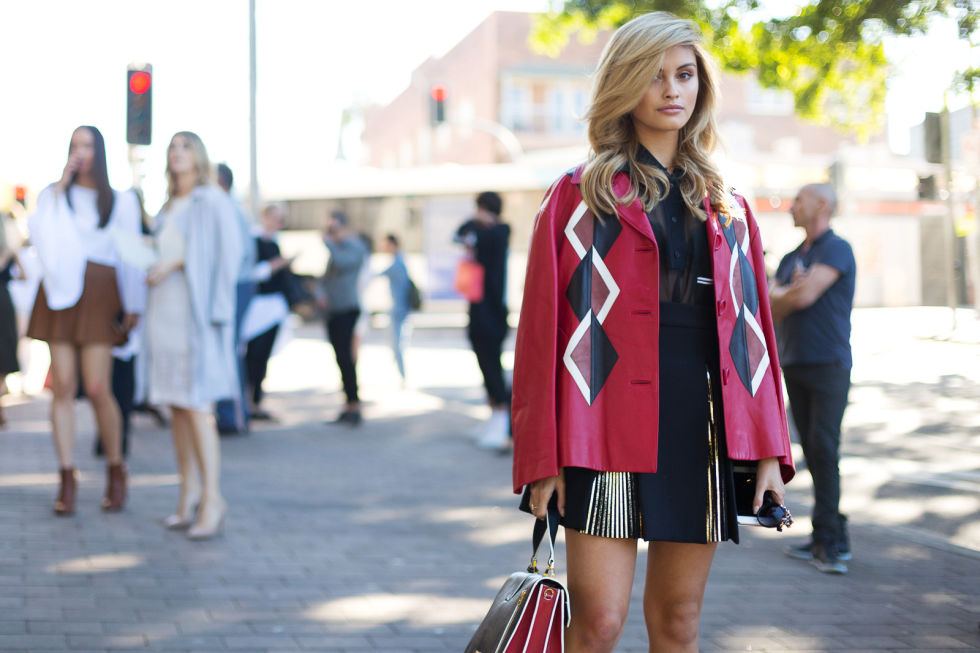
(437, 104)
(139, 95)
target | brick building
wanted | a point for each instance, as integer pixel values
(498, 87)
(512, 126)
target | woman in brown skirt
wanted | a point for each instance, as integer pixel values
(87, 302)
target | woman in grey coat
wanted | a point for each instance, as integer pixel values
(190, 326)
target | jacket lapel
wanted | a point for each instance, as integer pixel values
(632, 214)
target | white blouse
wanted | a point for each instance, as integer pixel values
(67, 237)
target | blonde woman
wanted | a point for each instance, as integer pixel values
(190, 327)
(645, 355)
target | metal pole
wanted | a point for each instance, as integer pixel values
(253, 184)
(948, 226)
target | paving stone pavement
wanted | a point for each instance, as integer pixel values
(395, 537)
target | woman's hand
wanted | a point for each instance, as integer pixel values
(541, 491)
(768, 477)
(70, 169)
(129, 321)
(161, 271)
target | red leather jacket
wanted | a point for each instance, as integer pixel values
(586, 388)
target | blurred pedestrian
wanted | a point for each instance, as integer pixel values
(268, 308)
(231, 413)
(124, 362)
(635, 378)
(341, 303)
(8, 318)
(363, 324)
(400, 286)
(88, 301)
(811, 303)
(191, 326)
(487, 239)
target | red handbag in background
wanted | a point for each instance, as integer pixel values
(531, 610)
(469, 280)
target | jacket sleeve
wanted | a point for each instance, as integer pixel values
(132, 280)
(227, 258)
(534, 406)
(777, 441)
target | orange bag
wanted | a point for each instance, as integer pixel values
(469, 280)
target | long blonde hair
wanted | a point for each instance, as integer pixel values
(202, 165)
(630, 62)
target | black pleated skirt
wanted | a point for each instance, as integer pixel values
(691, 496)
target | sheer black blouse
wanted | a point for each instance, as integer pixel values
(685, 262)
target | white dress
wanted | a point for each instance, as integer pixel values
(169, 319)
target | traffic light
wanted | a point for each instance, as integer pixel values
(437, 103)
(139, 95)
(933, 139)
(927, 188)
(20, 195)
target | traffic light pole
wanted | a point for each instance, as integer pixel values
(136, 161)
(948, 227)
(253, 183)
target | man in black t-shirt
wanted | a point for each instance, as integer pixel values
(488, 239)
(811, 298)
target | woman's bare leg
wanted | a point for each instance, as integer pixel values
(676, 576)
(208, 454)
(190, 483)
(96, 362)
(64, 388)
(600, 579)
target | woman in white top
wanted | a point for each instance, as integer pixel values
(190, 322)
(87, 302)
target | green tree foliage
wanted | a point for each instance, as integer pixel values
(829, 54)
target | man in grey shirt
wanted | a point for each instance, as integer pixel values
(342, 305)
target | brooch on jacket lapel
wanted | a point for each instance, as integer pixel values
(731, 209)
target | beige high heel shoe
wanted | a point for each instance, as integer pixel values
(186, 512)
(214, 526)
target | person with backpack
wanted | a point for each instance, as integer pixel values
(404, 299)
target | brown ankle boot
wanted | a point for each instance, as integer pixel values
(115, 491)
(64, 505)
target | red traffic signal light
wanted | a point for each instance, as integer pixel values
(20, 195)
(437, 108)
(139, 102)
(139, 82)
(438, 93)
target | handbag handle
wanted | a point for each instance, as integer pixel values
(549, 523)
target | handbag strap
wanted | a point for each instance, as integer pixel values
(549, 523)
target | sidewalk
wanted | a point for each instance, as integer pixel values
(395, 536)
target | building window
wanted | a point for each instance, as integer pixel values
(566, 106)
(516, 112)
(558, 116)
